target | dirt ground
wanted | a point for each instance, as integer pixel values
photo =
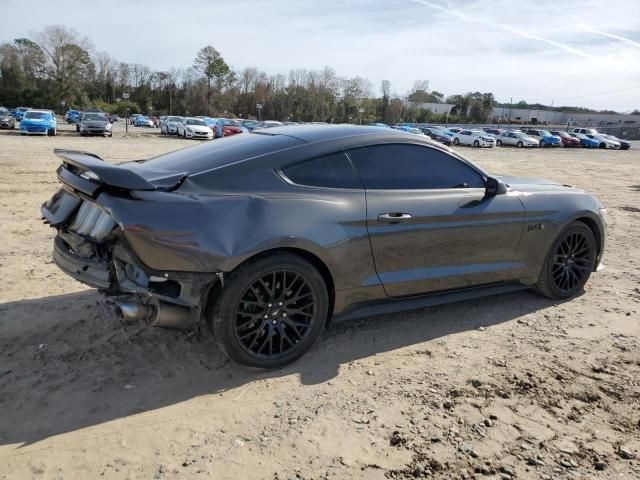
(512, 386)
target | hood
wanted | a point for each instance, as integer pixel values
(527, 184)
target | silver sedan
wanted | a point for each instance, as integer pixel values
(517, 139)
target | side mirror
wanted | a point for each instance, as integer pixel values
(494, 186)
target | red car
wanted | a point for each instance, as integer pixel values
(567, 140)
(231, 127)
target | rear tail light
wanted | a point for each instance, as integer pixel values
(92, 221)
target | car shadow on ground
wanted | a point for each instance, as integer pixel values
(64, 368)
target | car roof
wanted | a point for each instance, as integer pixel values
(316, 133)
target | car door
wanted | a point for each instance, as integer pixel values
(431, 225)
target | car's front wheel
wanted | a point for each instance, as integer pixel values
(270, 311)
(569, 263)
(476, 143)
(499, 143)
(456, 141)
(519, 144)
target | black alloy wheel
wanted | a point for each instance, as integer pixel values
(275, 313)
(271, 311)
(569, 263)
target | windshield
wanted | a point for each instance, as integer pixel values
(233, 123)
(196, 122)
(94, 117)
(545, 133)
(174, 119)
(250, 123)
(36, 115)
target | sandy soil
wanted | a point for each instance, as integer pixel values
(512, 386)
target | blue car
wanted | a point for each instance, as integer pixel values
(142, 121)
(39, 122)
(544, 137)
(586, 141)
(72, 116)
(211, 122)
(19, 113)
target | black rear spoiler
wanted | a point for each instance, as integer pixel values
(87, 173)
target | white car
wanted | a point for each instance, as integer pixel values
(169, 125)
(605, 142)
(192, 127)
(477, 138)
(517, 139)
(583, 131)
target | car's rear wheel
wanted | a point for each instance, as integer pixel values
(456, 141)
(520, 145)
(476, 143)
(270, 311)
(569, 263)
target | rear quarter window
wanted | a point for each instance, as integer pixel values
(330, 171)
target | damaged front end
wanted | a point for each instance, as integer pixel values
(91, 247)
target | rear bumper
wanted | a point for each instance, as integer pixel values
(93, 273)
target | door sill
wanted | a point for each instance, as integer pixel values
(388, 306)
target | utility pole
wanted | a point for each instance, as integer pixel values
(510, 106)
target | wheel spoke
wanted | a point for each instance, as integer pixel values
(275, 313)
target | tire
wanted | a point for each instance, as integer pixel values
(456, 141)
(569, 263)
(252, 283)
(602, 145)
(519, 145)
(476, 143)
(77, 128)
(499, 143)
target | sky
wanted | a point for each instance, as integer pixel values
(566, 52)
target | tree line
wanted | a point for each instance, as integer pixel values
(59, 65)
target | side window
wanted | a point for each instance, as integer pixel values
(404, 167)
(331, 171)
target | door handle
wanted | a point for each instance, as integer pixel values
(395, 217)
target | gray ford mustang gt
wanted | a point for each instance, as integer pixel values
(265, 236)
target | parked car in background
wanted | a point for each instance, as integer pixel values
(133, 117)
(94, 123)
(604, 141)
(250, 125)
(213, 237)
(408, 129)
(155, 121)
(19, 113)
(567, 140)
(583, 130)
(624, 145)
(437, 135)
(269, 124)
(229, 127)
(586, 141)
(477, 138)
(517, 139)
(494, 132)
(113, 117)
(39, 122)
(544, 137)
(72, 116)
(6, 120)
(455, 130)
(378, 124)
(169, 126)
(143, 121)
(192, 127)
